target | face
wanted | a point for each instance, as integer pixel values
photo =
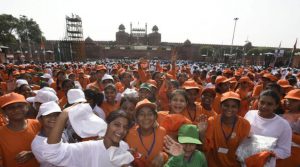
(158, 79)
(188, 149)
(110, 95)
(100, 74)
(266, 106)
(129, 107)
(230, 108)
(146, 118)
(144, 94)
(117, 130)
(126, 79)
(48, 121)
(224, 87)
(16, 111)
(26, 91)
(182, 78)
(207, 98)
(72, 77)
(61, 76)
(107, 81)
(68, 86)
(192, 94)
(244, 85)
(178, 103)
(293, 104)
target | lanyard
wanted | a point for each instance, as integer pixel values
(152, 145)
(230, 134)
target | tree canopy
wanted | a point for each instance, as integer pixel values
(13, 29)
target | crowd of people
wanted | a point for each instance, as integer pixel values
(145, 113)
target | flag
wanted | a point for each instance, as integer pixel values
(42, 44)
(293, 52)
(295, 47)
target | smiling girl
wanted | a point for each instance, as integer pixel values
(146, 138)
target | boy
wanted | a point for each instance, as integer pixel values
(184, 153)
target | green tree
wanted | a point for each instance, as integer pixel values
(8, 29)
(28, 28)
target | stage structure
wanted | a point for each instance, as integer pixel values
(72, 47)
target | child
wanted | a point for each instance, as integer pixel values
(184, 153)
(18, 134)
(47, 115)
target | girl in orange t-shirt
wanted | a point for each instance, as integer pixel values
(222, 134)
(146, 139)
(173, 119)
(110, 104)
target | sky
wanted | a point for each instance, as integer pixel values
(263, 22)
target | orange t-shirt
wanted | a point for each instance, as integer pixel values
(199, 111)
(245, 103)
(217, 103)
(219, 151)
(134, 141)
(257, 90)
(12, 143)
(108, 108)
(62, 102)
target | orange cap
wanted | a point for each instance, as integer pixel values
(16, 73)
(244, 79)
(227, 71)
(100, 67)
(284, 83)
(11, 98)
(221, 79)
(269, 76)
(209, 90)
(190, 84)
(152, 83)
(230, 95)
(293, 94)
(145, 103)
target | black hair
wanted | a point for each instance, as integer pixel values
(276, 87)
(117, 114)
(18, 90)
(44, 84)
(57, 81)
(175, 83)
(181, 92)
(97, 97)
(271, 93)
(66, 81)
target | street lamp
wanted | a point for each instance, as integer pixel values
(235, 20)
(27, 36)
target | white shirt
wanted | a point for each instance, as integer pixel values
(99, 112)
(275, 127)
(86, 154)
(37, 148)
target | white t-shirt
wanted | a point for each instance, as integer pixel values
(37, 148)
(275, 127)
(86, 154)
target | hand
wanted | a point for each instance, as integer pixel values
(158, 160)
(172, 147)
(23, 156)
(202, 125)
(174, 55)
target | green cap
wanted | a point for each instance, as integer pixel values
(146, 86)
(188, 134)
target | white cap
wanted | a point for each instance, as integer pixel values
(43, 97)
(131, 93)
(107, 76)
(48, 108)
(46, 75)
(75, 96)
(20, 82)
(48, 89)
(84, 122)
